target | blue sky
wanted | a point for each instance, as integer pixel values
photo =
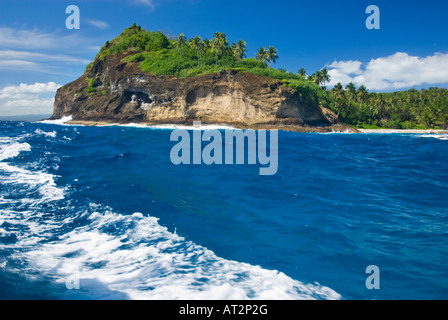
(38, 53)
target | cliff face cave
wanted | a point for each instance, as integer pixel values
(136, 97)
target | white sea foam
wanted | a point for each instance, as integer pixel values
(61, 121)
(41, 181)
(346, 131)
(435, 136)
(185, 127)
(172, 126)
(64, 120)
(11, 149)
(146, 261)
(51, 134)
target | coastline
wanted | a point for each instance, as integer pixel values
(205, 125)
(337, 128)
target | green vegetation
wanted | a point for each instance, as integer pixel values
(412, 109)
(89, 66)
(90, 88)
(182, 57)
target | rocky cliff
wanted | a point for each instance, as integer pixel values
(113, 91)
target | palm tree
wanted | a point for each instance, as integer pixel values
(376, 104)
(233, 50)
(219, 44)
(181, 41)
(427, 118)
(302, 72)
(272, 55)
(317, 77)
(207, 44)
(325, 77)
(239, 50)
(338, 89)
(196, 44)
(338, 92)
(362, 94)
(262, 55)
(351, 89)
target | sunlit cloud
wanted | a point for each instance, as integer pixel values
(25, 99)
(397, 71)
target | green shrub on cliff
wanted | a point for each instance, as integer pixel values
(90, 88)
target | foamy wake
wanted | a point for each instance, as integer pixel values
(10, 148)
(39, 181)
(126, 256)
(145, 261)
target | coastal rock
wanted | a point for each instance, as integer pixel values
(113, 91)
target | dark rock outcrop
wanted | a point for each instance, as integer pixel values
(116, 92)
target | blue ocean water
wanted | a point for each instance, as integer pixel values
(102, 213)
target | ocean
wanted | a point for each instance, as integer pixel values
(102, 213)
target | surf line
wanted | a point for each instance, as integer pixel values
(189, 149)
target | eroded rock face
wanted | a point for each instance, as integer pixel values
(113, 91)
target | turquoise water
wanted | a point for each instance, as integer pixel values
(105, 208)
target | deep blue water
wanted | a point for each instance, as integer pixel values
(105, 206)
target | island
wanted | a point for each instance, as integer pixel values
(152, 78)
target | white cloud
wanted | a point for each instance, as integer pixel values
(347, 67)
(17, 64)
(29, 88)
(10, 37)
(15, 60)
(149, 3)
(396, 71)
(33, 50)
(36, 56)
(25, 99)
(22, 66)
(35, 39)
(98, 23)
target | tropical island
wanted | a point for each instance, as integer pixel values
(148, 77)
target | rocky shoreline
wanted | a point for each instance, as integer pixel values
(282, 127)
